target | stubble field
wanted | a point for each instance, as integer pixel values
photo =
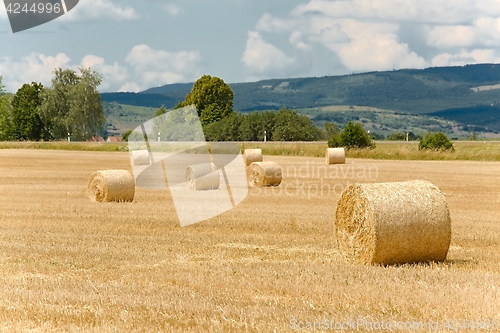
(268, 265)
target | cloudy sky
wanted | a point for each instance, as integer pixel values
(141, 44)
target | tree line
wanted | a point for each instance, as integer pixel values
(70, 107)
(213, 100)
(282, 125)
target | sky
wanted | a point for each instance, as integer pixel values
(137, 45)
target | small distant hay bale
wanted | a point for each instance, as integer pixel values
(140, 157)
(335, 156)
(393, 223)
(202, 177)
(111, 185)
(252, 155)
(264, 174)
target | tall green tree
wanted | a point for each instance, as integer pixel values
(284, 125)
(254, 125)
(73, 104)
(227, 129)
(5, 114)
(291, 126)
(355, 136)
(26, 122)
(212, 97)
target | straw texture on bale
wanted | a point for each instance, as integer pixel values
(111, 185)
(252, 155)
(202, 177)
(140, 157)
(264, 174)
(393, 223)
(335, 156)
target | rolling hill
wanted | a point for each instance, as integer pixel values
(468, 94)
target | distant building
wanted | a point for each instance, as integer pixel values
(114, 139)
(96, 139)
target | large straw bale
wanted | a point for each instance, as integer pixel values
(140, 157)
(335, 156)
(389, 223)
(264, 174)
(111, 185)
(201, 177)
(252, 155)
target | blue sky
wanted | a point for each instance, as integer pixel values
(136, 45)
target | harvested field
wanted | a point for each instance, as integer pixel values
(270, 264)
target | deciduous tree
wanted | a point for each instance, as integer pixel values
(436, 141)
(355, 136)
(212, 97)
(26, 122)
(5, 114)
(73, 104)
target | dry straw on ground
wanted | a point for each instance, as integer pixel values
(111, 185)
(388, 223)
(201, 177)
(264, 174)
(335, 156)
(140, 157)
(252, 155)
(70, 265)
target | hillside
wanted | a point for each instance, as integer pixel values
(386, 122)
(453, 93)
(479, 118)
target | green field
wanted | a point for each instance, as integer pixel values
(385, 150)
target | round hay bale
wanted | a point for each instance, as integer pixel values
(111, 185)
(140, 157)
(252, 155)
(335, 156)
(393, 223)
(264, 174)
(202, 177)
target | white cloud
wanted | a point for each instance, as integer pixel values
(449, 36)
(330, 36)
(143, 68)
(113, 75)
(380, 52)
(465, 57)
(172, 9)
(374, 46)
(129, 87)
(38, 67)
(359, 45)
(34, 67)
(365, 35)
(483, 31)
(95, 9)
(296, 40)
(423, 11)
(269, 23)
(262, 57)
(157, 67)
(160, 78)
